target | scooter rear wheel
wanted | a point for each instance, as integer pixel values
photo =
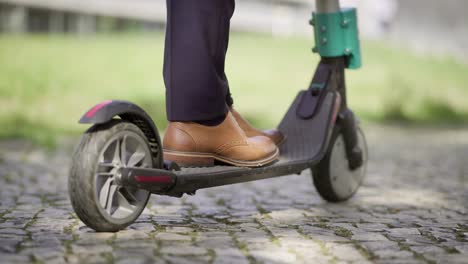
(332, 177)
(96, 193)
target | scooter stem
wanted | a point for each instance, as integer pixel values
(327, 6)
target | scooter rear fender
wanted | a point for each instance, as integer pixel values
(110, 109)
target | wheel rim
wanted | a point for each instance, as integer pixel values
(344, 181)
(116, 202)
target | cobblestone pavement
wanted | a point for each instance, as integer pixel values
(413, 208)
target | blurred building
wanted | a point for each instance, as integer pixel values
(426, 25)
(85, 16)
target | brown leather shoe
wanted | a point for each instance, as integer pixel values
(192, 144)
(274, 134)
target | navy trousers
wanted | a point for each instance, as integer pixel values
(197, 37)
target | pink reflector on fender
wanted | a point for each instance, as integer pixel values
(96, 108)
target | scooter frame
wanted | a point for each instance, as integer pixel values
(318, 108)
(312, 125)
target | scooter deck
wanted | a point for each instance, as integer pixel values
(306, 143)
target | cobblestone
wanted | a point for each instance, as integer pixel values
(412, 208)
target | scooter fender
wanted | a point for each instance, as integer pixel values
(108, 110)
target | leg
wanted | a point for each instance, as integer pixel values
(197, 37)
(197, 90)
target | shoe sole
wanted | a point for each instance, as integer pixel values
(191, 159)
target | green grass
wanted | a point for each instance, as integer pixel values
(48, 82)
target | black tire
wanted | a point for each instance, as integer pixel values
(332, 178)
(84, 172)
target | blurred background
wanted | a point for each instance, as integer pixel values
(60, 57)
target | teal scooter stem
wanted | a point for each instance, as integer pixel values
(336, 32)
(337, 42)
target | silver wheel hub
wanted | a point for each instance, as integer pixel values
(345, 181)
(125, 149)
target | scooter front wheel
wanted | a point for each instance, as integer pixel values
(332, 177)
(96, 193)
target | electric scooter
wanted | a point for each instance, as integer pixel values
(119, 162)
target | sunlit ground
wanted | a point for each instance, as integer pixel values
(47, 82)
